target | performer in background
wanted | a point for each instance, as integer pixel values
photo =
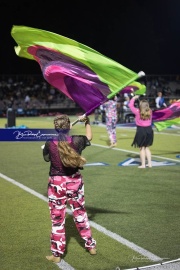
(66, 185)
(144, 133)
(111, 120)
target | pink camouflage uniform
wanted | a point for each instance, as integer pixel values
(66, 186)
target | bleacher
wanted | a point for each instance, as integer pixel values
(31, 95)
(46, 100)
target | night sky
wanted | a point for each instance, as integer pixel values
(139, 34)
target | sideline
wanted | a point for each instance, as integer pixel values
(169, 265)
(65, 266)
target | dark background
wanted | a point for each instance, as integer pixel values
(139, 34)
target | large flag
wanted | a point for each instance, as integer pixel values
(84, 75)
(167, 117)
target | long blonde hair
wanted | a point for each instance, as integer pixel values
(145, 111)
(68, 156)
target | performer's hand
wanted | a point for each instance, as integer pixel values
(87, 121)
(136, 97)
(83, 118)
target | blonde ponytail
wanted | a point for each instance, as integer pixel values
(69, 157)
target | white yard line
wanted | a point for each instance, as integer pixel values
(127, 151)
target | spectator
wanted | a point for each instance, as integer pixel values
(27, 99)
(126, 102)
(160, 101)
(97, 113)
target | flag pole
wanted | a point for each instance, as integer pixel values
(78, 120)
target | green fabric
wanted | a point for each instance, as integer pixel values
(141, 90)
(165, 124)
(109, 71)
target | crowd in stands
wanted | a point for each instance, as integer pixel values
(168, 85)
(30, 94)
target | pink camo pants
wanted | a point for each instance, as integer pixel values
(63, 190)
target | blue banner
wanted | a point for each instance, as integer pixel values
(28, 134)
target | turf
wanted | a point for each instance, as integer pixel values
(140, 205)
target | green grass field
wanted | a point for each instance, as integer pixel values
(134, 213)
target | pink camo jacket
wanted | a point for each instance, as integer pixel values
(138, 120)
